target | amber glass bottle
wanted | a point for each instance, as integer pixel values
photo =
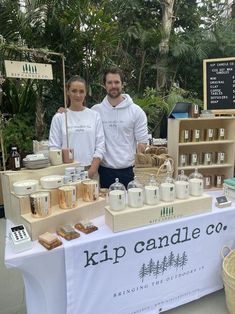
(15, 159)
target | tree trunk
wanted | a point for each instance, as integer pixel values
(39, 123)
(167, 21)
(141, 70)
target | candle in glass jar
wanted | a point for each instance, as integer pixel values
(219, 179)
(196, 135)
(167, 192)
(195, 187)
(220, 157)
(183, 160)
(117, 200)
(67, 196)
(207, 158)
(185, 136)
(207, 182)
(181, 189)
(221, 134)
(193, 111)
(152, 196)
(194, 159)
(135, 197)
(209, 134)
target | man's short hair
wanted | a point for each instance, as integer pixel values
(113, 70)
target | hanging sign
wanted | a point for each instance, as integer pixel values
(28, 70)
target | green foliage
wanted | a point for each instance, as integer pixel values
(19, 96)
(178, 94)
(19, 131)
(94, 34)
(155, 108)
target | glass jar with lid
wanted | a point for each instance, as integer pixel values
(135, 193)
(181, 186)
(167, 189)
(117, 196)
(196, 183)
(152, 192)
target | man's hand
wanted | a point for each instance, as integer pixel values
(141, 147)
(91, 172)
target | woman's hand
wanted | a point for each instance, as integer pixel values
(61, 110)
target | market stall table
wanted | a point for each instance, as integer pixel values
(144, 270)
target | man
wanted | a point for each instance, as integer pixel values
(125, 127)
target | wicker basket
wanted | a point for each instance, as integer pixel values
(160, 172)
(228, 274)
(152, 157)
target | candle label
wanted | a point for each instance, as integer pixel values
(195, 109)
(17, 162)
(208, 180)
(194, 158)
(186, 134)
(219, 180)
(221, 132)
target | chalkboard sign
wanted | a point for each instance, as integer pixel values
(219, 83)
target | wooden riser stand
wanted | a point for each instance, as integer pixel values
(17, 208)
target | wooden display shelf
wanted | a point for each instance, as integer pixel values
(213, 166)
(176, 148)
(9, 177)
(84, 210)
(17, 208)
(137, 217)
(207, 143)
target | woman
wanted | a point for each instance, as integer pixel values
(85, 130)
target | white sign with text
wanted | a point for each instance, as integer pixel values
(28, 70)
(151, 269)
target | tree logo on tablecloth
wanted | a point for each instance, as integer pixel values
(156, 268)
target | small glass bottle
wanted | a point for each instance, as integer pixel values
(15, 160)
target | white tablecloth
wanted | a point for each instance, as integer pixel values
(144, 270)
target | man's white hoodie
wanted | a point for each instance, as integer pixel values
(124, 126)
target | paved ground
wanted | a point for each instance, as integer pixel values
(12, 300)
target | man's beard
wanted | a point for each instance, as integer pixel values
(116, 95)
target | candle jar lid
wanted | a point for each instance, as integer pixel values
(117, 186)
(182, 176)
(152, 181)
(196, 175)
(134, 184)
(169, 178)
